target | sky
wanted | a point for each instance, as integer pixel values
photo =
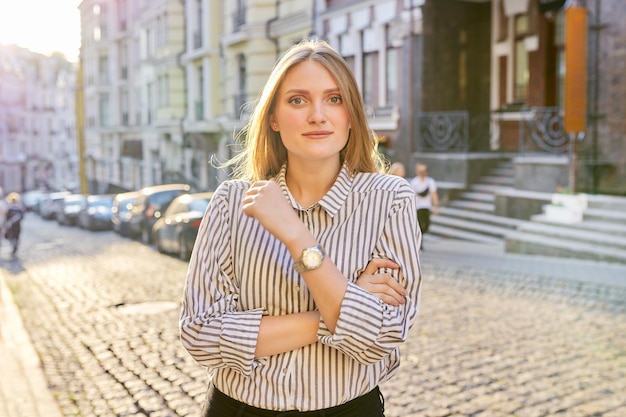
(43, 26)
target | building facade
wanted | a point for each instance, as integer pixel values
(454, 83)
(38, 146)
(134, 93)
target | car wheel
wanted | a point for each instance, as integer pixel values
(145, 235)
(157, 243)
(183, 250)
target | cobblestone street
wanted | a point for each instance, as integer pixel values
(102, 313)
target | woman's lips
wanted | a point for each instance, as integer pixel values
(318, 134)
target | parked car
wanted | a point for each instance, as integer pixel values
(68, 208)
(150, 204)
(32, 198)
(48, 206)
(176, 230)
(121, 211)
(95, 213)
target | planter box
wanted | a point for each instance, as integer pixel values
(563, 214)
(575, 201)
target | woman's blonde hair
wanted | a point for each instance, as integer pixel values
(13, 197)
(264, 153)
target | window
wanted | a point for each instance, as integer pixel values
(200, 94)
(368, 78)
(559, 43)
(520, 57)
(239, 15)
(103, 70)
(240, 97)
(105, 111)
(392, 77)
(124, 108)
(124, 60)
(462, 66)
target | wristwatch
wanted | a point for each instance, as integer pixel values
(311, 258)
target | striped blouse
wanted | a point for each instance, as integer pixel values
(239, 272)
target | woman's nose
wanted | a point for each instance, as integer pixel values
(317, 114)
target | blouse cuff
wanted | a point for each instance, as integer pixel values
(238, 339)
(360, 320)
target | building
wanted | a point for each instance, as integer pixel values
(134, 93)
(38, 146)
(499, 89)
(459, 84)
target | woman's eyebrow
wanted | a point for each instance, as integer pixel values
(306, 92)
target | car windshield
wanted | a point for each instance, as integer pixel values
(198, 205)
(102, 203)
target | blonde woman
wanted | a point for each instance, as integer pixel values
(305, 278)
(13, 224)
(397, 168)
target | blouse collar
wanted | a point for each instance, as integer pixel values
(332, 200)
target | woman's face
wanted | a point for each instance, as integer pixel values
(310, 114)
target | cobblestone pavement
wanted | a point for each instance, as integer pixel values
(102, 314)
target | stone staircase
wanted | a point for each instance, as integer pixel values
(471, 216)
(600, 236)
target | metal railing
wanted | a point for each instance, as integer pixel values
(443, 131)
(541, 130)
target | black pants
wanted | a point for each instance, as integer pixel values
(220, 405)
(423, 218)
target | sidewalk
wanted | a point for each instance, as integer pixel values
(23, 385)
(492, 256)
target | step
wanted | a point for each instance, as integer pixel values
(502, 171)
(607, 202)
(496, 180)
(471, 205)
(488, 218)
(487, 188)
(474, 196)
(590, 225)
(470, 226)
(566, 232)
(531, 244)
(450, 232)
(608, 215)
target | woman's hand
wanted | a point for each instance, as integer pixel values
(382, 285)
(265, 202)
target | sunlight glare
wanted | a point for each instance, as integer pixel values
(43, 26)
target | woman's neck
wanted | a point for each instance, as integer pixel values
(308, 184)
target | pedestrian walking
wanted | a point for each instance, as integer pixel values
(304, 280)
(397, 168)
(13, 222)
(426, 197)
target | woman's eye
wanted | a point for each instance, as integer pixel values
(336, 100)
(296, 100)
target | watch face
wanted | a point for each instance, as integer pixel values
(312, 258)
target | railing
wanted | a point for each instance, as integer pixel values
(443, 131)
(541, 130)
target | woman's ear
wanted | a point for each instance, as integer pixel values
(273, 123)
